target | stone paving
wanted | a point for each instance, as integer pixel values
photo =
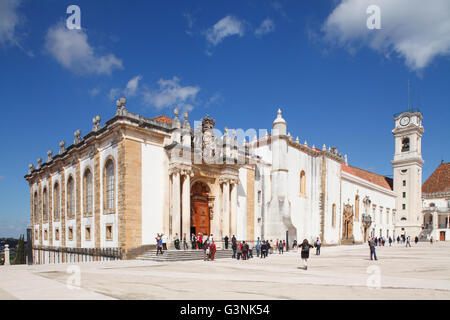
(344, 272)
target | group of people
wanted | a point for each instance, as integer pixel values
(161, 243)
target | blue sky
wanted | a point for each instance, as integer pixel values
(337, 82)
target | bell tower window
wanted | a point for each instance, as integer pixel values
(405, 144)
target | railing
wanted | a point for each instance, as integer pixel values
(43, 255)
(437, 209)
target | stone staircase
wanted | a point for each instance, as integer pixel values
(182, 255)
(425, 234)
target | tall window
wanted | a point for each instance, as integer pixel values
(357, 208)
(36, 207)
(333, 215)
(57, 201)
(45, 204)
(110, 185)
(87, 193)
(70, 198)
(302, 183)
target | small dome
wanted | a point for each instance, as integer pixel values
(279, 118)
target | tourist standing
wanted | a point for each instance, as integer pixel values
(234, 247)
(416, 240)
(244, 250)
(431, 240)
(263, 249)
(318, 244)
(294, 244)
(238, 250)
(212, 250)
(372, 249)
(271, 247)
(390, 241)
(280, 247)
(250, 250)
(205, 251)
(258, 247)
(185, 245)
(305, 253)
(226, 242)
(193, 238)
(164, 241)
(177, 242)
(159, 246)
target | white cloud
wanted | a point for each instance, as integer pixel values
(226, 27)
(132, 86)
(266, 26)
(9, 20)
(72, 50)
(417, 30)
(94, 91)
(171, 94)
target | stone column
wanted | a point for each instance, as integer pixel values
(186, 207)
(176, 197)
(7, 263)
(234, 209)
(225, 230)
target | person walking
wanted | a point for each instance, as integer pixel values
(234, 248)
(431, 240)
(185, 245)
(294, 244)
(263, 249)
(372, 249)
(305, 253)
(159, 246)
(212, 250)
(226, 242)
(390, 241)
(271, 247)
(318, 244)
(416, 240)
(408, 241)
(205, 247)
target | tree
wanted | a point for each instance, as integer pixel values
(20, 253)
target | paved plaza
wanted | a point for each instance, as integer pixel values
(344, 272)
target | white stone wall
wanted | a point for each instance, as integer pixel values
(382, 198)
(333, 189)
(242, 206)
(56, 178)
(155, 198)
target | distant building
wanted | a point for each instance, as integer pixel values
(436, 204)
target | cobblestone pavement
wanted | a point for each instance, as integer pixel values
(344, 272)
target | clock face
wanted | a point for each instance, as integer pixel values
(404, 121)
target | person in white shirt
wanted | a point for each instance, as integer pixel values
(164, 241)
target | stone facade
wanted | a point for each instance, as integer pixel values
(268, 188)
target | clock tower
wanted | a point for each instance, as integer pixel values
(407, 165)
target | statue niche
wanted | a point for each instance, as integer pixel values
(347, 225)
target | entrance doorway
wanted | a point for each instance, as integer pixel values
(347, 230)
(200, 219)
(442, 236)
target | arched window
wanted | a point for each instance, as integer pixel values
(57, 201)
(302, 183)
(87, 188)
(36, 207)
(45, 204)
(333, 215)
(70, 198)
(109, 185)
(405, 144)
(357, 208)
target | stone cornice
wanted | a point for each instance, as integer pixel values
(436, 195)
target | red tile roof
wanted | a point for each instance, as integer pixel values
(439, 181)
(163, 119)
(374, 178)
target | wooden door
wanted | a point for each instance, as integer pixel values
(442, 236)
(200, 216)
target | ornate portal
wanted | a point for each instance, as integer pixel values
(347, 224)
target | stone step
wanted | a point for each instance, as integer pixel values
(182, 255)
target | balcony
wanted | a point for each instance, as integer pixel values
(436, 209)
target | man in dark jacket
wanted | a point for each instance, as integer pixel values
(305, 253)
(226, 242)
(234, 247)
